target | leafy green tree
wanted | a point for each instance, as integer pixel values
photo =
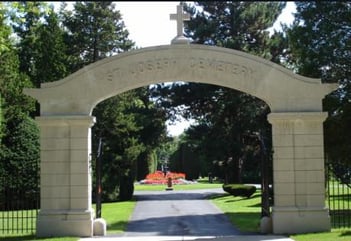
(19, 146)
(4, 46)
(41, 47)
(320, 47)
(26, 18)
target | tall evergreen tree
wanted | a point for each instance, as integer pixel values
(95, 31)
(236, 25)
(50, 62)
(225, 116)
(320, 47)
(131, 128)
(129, 124)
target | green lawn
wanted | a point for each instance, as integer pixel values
(244, 213)
(12, 219)
(117, 215)
(334, 235)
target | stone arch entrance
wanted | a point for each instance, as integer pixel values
(296, 117)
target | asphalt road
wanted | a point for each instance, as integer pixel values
(179, 216)
(180, 213)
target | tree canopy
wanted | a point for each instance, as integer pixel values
(225, 116)
(320, 47)
(40, 45)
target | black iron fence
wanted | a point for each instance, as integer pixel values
(339, 194)
(19, 200)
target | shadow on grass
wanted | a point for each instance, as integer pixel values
(244, 198)
(346, 233)
(117, 227)
(246, 222)
(257, 205)
(19, 238)
(217, 196)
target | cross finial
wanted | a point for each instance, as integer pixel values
(180, 16)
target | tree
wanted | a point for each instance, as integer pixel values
(320, 47)
(4, 46)
(95, 31)
(132, 128)
(236, 25)
(225, 116)
(26, 18)
(19, 146)
(50, 62)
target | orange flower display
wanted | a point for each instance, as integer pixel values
(159, 177)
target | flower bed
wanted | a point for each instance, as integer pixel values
(158, 177)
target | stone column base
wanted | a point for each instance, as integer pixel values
(65, 223)
(291, 220)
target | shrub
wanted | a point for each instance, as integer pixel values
(239, 190)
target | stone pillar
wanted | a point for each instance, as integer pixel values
(298, 173)
(65, 183)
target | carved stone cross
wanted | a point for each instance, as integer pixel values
(180, 16)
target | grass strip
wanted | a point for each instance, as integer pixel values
(244, 213)
(117, 215)
(334, 235)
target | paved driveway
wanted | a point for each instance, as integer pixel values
(184, 213)
(181, 215)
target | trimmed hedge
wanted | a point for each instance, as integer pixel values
(239, 190)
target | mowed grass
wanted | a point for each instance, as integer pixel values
(334, 235)
(117, 215)
(244, 213)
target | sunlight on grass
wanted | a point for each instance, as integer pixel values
(244, 213)
(334, 235)
(117, 215)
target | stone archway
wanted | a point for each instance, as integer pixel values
(297, 123)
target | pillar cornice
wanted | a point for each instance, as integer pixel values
(293, 116)
(65, 120)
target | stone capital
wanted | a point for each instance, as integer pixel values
(295, 116)
(74, 120)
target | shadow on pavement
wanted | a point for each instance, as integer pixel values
(194, 225)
